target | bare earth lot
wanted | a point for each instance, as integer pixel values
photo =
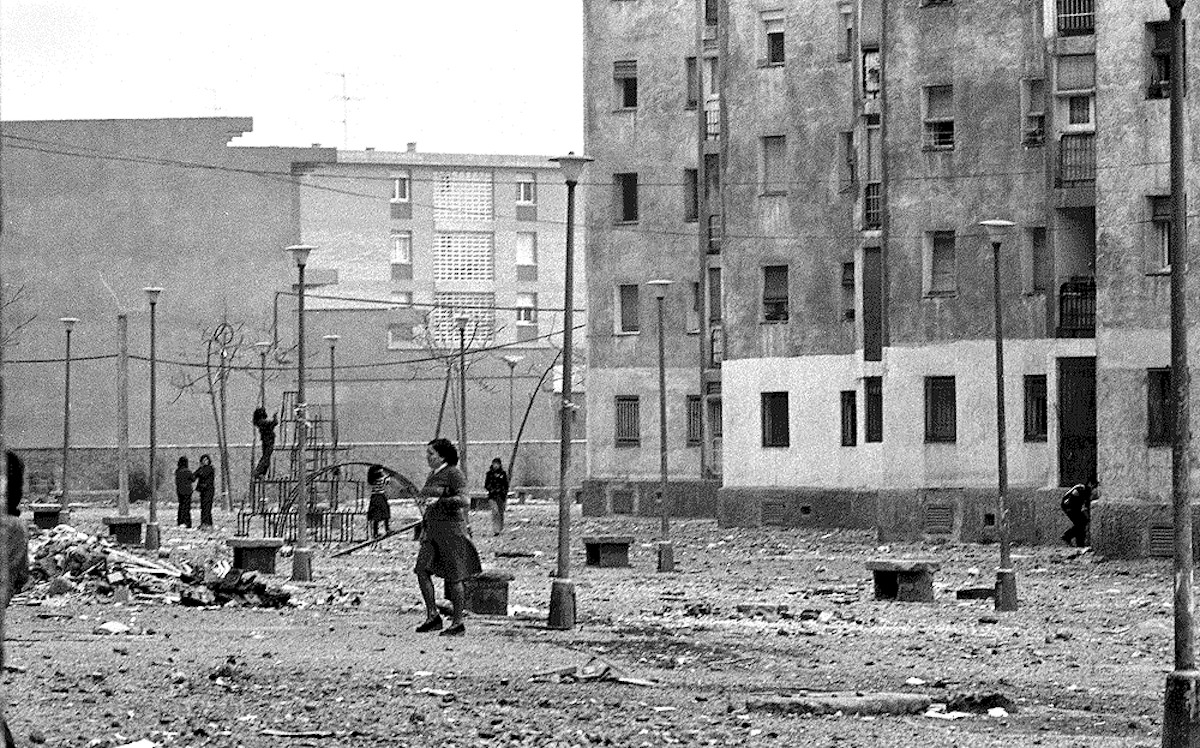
(1083, 660)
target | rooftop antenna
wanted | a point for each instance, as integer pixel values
(345, 99)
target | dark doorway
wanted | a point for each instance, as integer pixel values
(1076, 420)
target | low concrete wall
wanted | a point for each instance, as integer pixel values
(693, 499)
(954, 514)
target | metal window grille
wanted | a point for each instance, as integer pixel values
(463, 195)
(873, 394)
(463, 256)
(1077, 160)
(1079, 110)
(873, 205)
(941, 420)
(1035, 407)
(693, 420)
(775, 419)
(1076, 17)
(628, 421)
(939, 520)
(480, 310)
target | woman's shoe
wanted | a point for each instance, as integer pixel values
(431, 624)
(457, 629)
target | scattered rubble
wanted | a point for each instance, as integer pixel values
(595, 669)
(65, 560)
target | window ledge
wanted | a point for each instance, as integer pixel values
(625, 223)
(626, 333)
(526, 205)
(1036, 439)
(620, 109)
(773, 193)
(619, 445)
(394, 200)
(950, 442)
(765, 65)
(1164, 273)
(937, 147)
(773, 321)
(776, 446)
(940, 294)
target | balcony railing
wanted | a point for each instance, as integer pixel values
(1077, 160)
(1077, 308)
(712, 119)
(716, 231)
(1076, 17)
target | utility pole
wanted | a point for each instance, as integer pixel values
(123, 414)
(1181, 722)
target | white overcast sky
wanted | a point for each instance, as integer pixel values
(470, 76)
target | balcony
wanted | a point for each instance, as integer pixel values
(1076, 17)
(712, 119)
(1077, 308)
(716, 231)
(1076, 160)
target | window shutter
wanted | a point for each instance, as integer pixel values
(775, 282)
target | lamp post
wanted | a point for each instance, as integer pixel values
(460, 322)
(1006, 577)
(302, 556)
(1181, 725)
(562, 590)
(666, 551)
(512, 362)
(333, 426)
(152, 531)
(68, 325)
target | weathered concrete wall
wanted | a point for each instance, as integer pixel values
(658, 141)
(97, 209)
(1123, 528)
(689, 498)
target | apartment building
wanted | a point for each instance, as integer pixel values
(859, 145)
(409, 241)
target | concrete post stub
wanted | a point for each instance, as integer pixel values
(562, 605)
(1181, 710)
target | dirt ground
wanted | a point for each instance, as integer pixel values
(1083, 661)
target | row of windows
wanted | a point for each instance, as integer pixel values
(479, 308)
(464, 255)
(627, 317)
(464, 195)
(627, 418)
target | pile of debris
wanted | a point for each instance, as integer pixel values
(66, 560)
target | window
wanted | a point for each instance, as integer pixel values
(939, 255)
(401, 247)
(849, 159)
(526, 308)
(774, 155)
(1035, 407)
(691, 74)
(775, 293)
(872, 74)
(939, 118)
(627, 308)
(1158, 44)
(710, 76)
(873, 387)
(401, 186)
(710, 12)
(526, 189)
(625, 79)
(873, 206)
(478, 308)
(773, 36)
(846, 50)
(849, 418)
(399, 334)
(1041, 268)
(625, 197)
(628, 421)
(693, 312)
(401, 298)
(714, 294)
(693, 420)
(775, 419)
(463, 256)
(715, 427)
(1160, 224)
(1079, 110)
(1076, 17)
(526, 248)
(1033, 104)
(463, 195)
(1158, 407)
(691, 195)
(940, 417)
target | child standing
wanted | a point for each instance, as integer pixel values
(378, 511)
(183, 491)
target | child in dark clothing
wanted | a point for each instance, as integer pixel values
(378, 511)
(266, 434)
(14, 557)
(184, 481)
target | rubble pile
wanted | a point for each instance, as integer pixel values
(66, 560)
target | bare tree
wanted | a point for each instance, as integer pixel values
(15, 318)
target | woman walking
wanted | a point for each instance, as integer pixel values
(496, 485)
(14, 557)
(206, 479)
(183, 491)
(446, 548)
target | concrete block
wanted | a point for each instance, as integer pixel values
(255, 554)
(903, 580)
(608, 550)
(125, 530)
(487, 593)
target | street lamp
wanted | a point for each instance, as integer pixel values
(1006, 577)
(68, 324)
(666, 552)
(512, 362)
(562, 590)
(460, 322)
(333, 426)
(152, 532)
(263, 346)
(302, 555)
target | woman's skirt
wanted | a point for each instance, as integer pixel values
(447, 551)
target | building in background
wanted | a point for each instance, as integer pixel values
(859, 145)
(408, 241)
